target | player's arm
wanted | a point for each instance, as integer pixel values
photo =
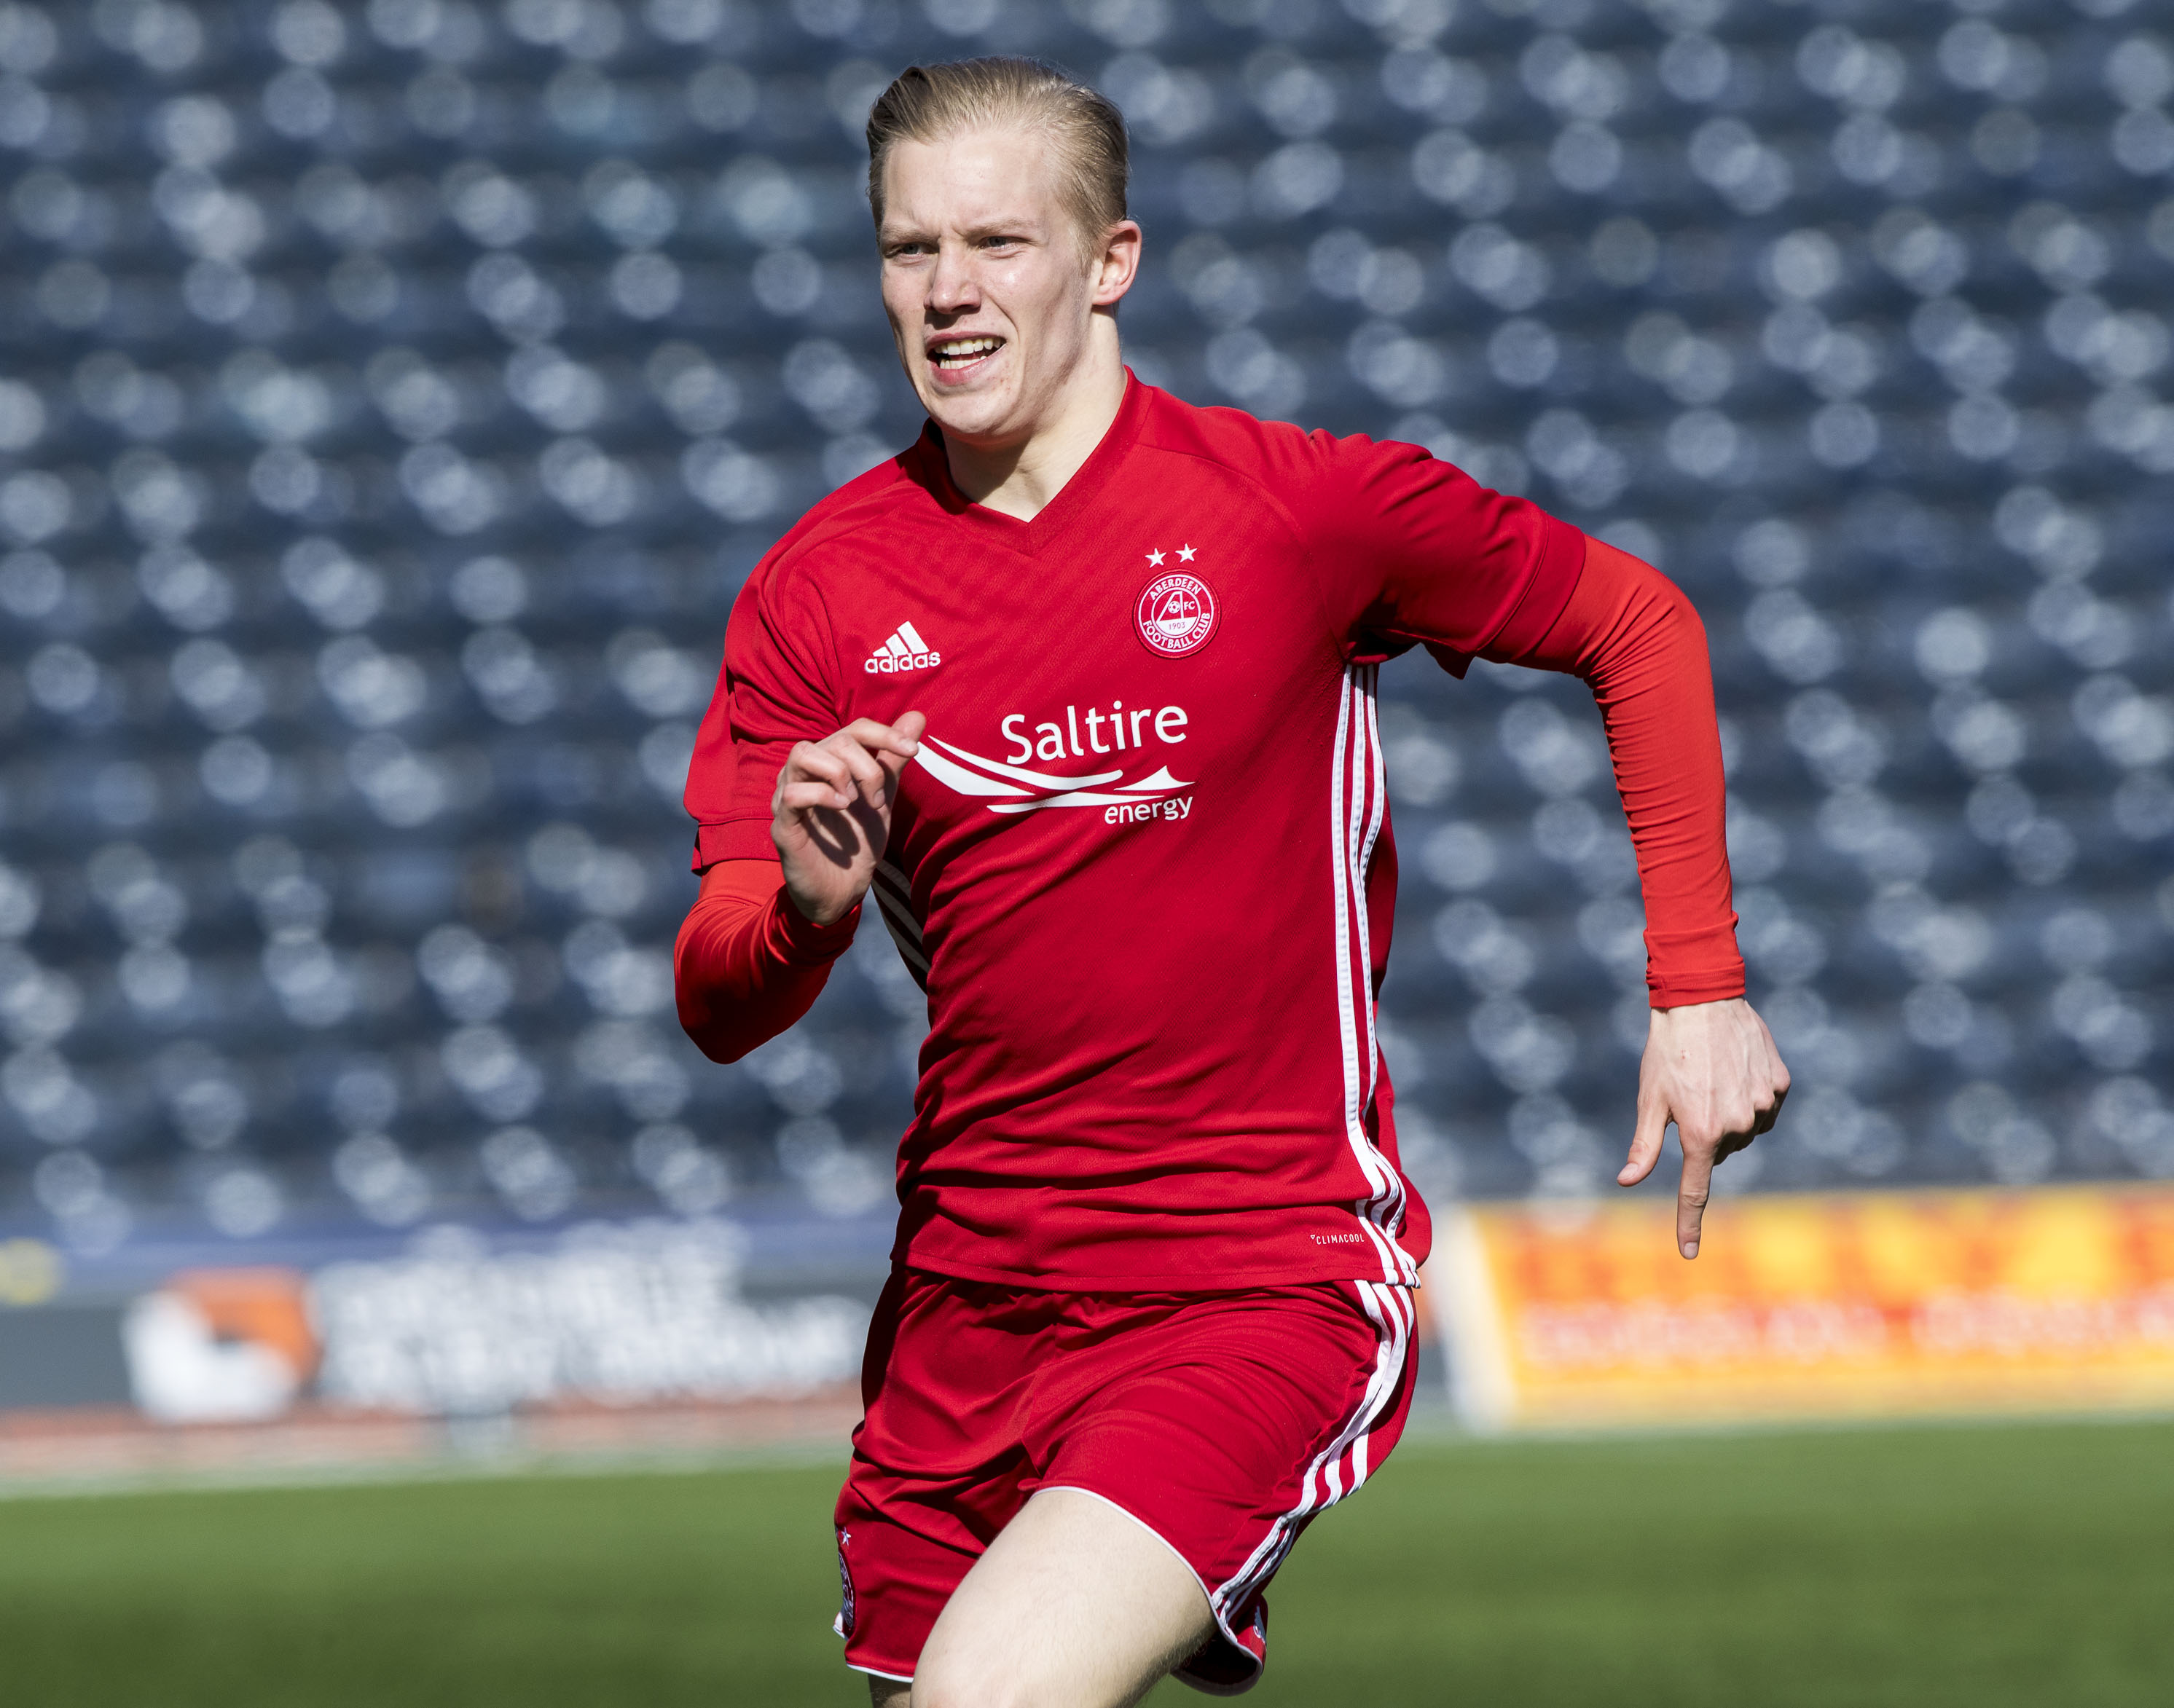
(747, 962)
(1711, 1068)
(1412, 548)
(755, 949)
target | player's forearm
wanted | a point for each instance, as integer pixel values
(748, 965)
(1630, 634)
(1655, 687)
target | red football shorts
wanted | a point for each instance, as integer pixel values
(1223, 1421)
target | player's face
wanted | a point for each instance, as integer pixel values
(990, 289)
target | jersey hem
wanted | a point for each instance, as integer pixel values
(1193, 1281)
(732, 839)
(1684, 992)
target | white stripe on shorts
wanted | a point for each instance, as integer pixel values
(1341, 1467)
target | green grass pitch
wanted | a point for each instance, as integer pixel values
(1976, 1566)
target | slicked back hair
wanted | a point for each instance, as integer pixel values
(925, 102)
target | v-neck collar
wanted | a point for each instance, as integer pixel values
(1055, 519)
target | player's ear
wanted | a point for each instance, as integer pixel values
(1117, 262)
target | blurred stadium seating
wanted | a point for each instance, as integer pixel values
(394, 395)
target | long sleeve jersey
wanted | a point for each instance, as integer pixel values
(1142, 865)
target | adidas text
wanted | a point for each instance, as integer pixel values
(904, 651)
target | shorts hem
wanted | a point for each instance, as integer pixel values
(878, 1672)
(1222, 1626)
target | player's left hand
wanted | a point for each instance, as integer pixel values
(1711, 1069)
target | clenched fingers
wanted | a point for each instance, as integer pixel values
(829, 773)
(855, 764)
(895, 744)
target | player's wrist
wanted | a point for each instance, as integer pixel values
(812, 928)
(1691, 1011)
(817, 911)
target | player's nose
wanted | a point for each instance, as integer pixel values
(951, 285)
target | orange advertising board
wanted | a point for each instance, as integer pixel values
(1863, 1303)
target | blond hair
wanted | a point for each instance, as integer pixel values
(925, 102)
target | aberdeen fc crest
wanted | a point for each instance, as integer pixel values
(1176, 614)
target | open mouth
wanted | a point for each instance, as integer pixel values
(955, 356)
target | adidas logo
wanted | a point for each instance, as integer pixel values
(905, 650)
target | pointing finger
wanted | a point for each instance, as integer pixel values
(1692, 1195)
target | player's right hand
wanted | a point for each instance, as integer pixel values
(830, 817)
(1710, 1071)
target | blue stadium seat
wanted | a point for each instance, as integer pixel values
(393, 397)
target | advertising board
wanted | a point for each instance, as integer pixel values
(1863, 1303)
(672, 1334)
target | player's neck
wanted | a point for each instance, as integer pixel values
(1018, 480)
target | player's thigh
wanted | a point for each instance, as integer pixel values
(889, 1693)
(1074, 1605)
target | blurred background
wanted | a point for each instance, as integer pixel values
(394, 395)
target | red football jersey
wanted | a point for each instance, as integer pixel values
(1143, 863)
